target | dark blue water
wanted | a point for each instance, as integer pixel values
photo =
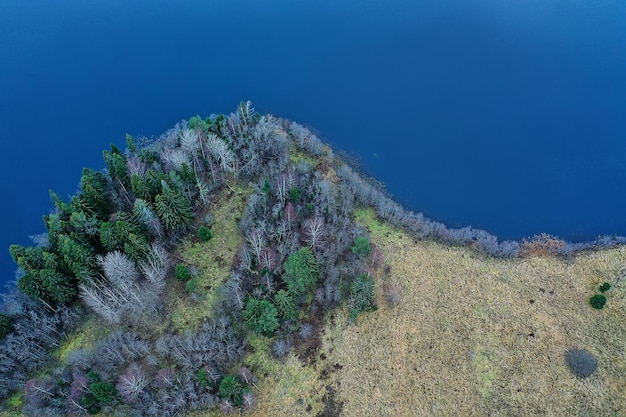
(508, 116)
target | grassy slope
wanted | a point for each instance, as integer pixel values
(464, 340)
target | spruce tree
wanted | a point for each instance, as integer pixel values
(173, 208)
(95, 196)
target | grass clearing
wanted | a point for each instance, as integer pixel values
(285, 388)
(91, 330)
(212, 259)
(474, 335)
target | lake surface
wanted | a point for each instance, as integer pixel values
(504, 115)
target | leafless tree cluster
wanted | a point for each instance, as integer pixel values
(35, 333)
(125, 291)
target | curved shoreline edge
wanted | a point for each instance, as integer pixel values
(422, 227)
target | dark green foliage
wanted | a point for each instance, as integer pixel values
(604, 287)
(84, 224)
(94, 197)
(598, 301)
(294, 195)
(182, 273)
(232, 389)
(196, 122)
(204, 233)
(78, 256)
(41, 277)
(362, 292)
(203, 377)
(130, 143)
(261, 316)
(125, 234)
(27, 257)
(117, 166)
(581, 362)
(174, 210)
(91, 404)
(5, 326)
(140, 188)
(301, 272)
(285, 305)
(62, 207)
(58, 288)
(361, 247)
(149, 187)
(103, 392)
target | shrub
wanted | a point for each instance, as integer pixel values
(182, 273)
(281, 347)
(361, 247)
(598, 301)
(192, 285)
(5, 326)
(261, 316)
(604, 287)
(203, 377)
(362, 293)
(103, 392)
(285, 305)
(301, 272)
(392, 295)
(204, 233)
(306, 331)
(232, 389)
(581, 362)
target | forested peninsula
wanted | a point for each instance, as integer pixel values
(235, 264)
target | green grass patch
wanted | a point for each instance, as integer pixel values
(88, 333)
(368, 218)
(213, 260)
(297, 156)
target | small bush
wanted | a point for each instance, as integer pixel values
(598, 301)
(103, 392)
(5, 326)
(604, 287)
(204, 233)
(362, 246)
(232, 389)
(392, 295)
(362, 293)
(192, 285)
(281, 347)
(203, 377)
(182, 273)
(261, 316)
(581, 362)
(306, 331)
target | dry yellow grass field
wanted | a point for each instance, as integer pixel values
(471, 336)
(477, 336)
